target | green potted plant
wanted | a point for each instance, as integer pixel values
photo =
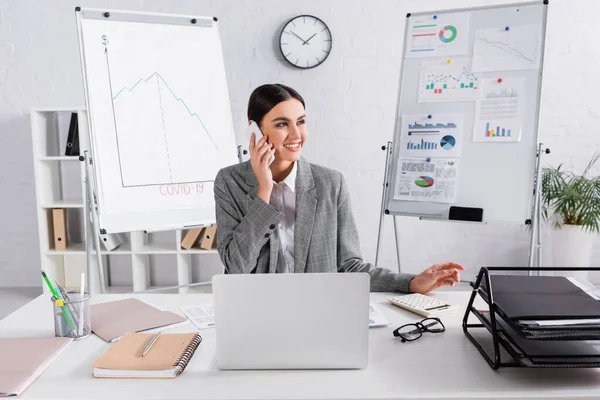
(571, 206)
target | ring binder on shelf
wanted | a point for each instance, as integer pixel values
(72, 148)
(530, 345)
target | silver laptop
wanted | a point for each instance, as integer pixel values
(292, 321)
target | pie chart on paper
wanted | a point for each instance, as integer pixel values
(424, 181)
(448, 142)
(448, 34)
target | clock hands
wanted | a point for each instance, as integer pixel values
(303, 41)
(298, 37)
(307, 40)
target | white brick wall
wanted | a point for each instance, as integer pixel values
(351, 107)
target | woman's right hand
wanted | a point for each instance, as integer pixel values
(259, 159)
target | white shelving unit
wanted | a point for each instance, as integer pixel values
(59, 182)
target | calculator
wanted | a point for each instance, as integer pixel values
(423, 305)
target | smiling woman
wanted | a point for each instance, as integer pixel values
(279, 112)
(292, 216)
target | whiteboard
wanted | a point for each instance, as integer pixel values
(159, 115)
(467, 114)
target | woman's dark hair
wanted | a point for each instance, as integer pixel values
(265, 97)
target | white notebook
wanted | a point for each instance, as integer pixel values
(23, 360)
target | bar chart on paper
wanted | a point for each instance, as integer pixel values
(431, 136)
(499, 111)
(421, 145)
(441, 81)
(499, 131)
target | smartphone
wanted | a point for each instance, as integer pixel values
(253, 127)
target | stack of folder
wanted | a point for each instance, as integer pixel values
(541, 321)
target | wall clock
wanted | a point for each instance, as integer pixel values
(305, 41)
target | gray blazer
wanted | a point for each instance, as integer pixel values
(325, 235)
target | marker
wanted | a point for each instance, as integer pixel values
(507, 28)
(429, 116)
(449, 61)
(52, 290)
(435, 17)
(499, 80)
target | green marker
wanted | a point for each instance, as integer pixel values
(64, 309)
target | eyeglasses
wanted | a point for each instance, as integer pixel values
(410, 332)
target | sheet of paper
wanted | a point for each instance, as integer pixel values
(562, 322)
(376, 318)
(498, 49)
(203, 316)
(499, 112)
(438, 136)
(423, 179)
(438, 35)
(443, 81)
(586, 286)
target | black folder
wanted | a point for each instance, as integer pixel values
(546, 352)
(541, 298)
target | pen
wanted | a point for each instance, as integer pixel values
(66, 297)
(62, 290)
(62, 295)
(57, 296)
(151, 343)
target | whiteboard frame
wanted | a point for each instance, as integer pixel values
(120, 223)
(391, 165)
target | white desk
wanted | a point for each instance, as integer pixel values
(442, 365)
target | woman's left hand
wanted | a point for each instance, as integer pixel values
(436, 276)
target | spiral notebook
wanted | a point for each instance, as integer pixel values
(167, 358)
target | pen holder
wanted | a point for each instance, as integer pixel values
(72, 316)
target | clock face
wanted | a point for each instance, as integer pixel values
(305, 41)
